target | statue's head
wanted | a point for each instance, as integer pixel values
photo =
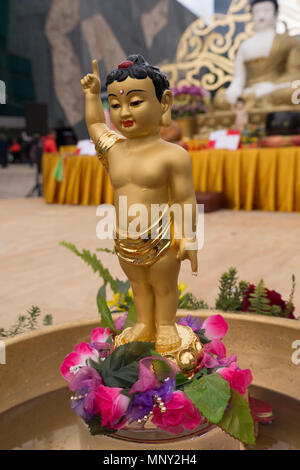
(139, 97)
(265, 14)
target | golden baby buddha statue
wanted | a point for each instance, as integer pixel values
(146, 170)
(266, 64)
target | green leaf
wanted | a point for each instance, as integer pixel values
(181, 379)
(210, 395)
(96, 428)
(121, 368)
(161, 369)
(106, 250)
(106, 318)
(122, 286)
(102, 292)
(131, 317)
(155, 353)
(202, 337)
(237, 421)
(48, 320)
(94, 263)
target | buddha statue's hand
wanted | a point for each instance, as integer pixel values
(262, 89)
(184, 252)
(233, 93)
(91, 82)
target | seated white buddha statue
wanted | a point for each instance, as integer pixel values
(266, 64)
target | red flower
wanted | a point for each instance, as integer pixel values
(274, 299)
(246, 302)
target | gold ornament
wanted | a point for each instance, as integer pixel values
(205, 57)
(187, 356)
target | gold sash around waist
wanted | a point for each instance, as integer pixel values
(145, 251)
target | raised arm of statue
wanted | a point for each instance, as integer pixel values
(239, 82)
(102, 136)
(94, 114)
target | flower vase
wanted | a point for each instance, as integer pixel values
(188, 126)
(206, 437)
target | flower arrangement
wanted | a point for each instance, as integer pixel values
(115, 387)
(190, 101)
(243, 296)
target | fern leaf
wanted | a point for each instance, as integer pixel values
(259, 302)
(95, 263)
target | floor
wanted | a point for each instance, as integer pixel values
(36, 270)
(16, 180)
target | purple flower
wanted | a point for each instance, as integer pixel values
(143, 403)
(85, 382)
(78, 405)
(193, 322)
(85, 378)
(152, 371)
(120, 322)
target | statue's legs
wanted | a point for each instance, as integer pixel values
(144, 329)
(281, 97)
(155, 292)
(163, 276)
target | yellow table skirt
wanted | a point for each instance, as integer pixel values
(85, 181)
(265, 179)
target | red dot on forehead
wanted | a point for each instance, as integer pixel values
(121, 91)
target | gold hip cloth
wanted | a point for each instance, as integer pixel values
(145, 250)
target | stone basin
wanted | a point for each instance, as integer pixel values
(35, 411)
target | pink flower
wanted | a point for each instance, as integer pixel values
(215, 327)
(238, 379)
(112, 406)
(101, 339)
(217, 348)
(151, 379)
(77, 359)
(181, 414)
(101, 335)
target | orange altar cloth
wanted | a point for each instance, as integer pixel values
(264, 179)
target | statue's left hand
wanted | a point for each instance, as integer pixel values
(183, 254)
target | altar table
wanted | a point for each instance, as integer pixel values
(264, 179)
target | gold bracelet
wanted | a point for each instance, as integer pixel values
(104, 143)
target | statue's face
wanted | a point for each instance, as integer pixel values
(134, 107)
(264, 16)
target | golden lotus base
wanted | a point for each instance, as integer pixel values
(187, 355)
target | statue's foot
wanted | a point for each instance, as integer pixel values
(167, 338)
(139, 332)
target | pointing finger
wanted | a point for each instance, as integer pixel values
(95, 68)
